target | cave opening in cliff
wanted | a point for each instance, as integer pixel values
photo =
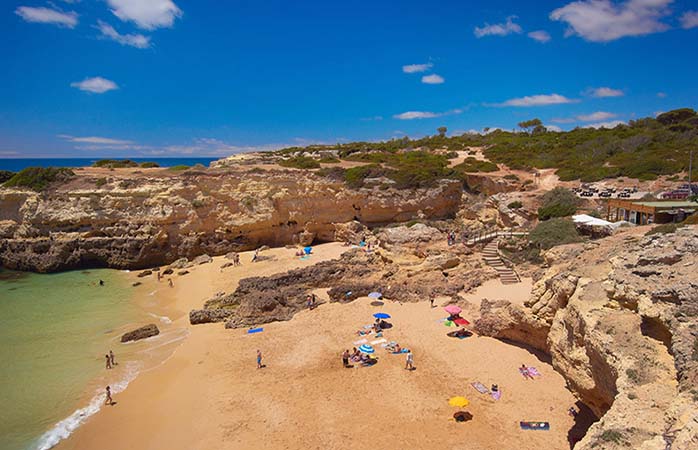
(655, 329)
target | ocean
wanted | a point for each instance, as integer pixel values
(17, 164)
(55, 330)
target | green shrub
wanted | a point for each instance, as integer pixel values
(475, 165)
(39, 178)
(115, 163)
(554, 232)
(515, 205)
(666, 228)
(614, 436)
(691, 220)
(560, 202)
(5, 175)
(178, 168)
(333, 173)
(99, 182)
(300, 162)
(149, 165)
(511, 176)
(355, 176)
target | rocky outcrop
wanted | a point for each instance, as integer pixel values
(137, 221)
(141, 333)
(198, 316)
(619, 321)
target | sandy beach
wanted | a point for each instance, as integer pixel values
(208, 393)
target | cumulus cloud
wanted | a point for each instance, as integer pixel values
(596, 117)
(611, 124)
(134, 40)
(411, 115)
(94, 140)
(603, 92)
(499, 29)
(417, 68)
(96, 85)
(540, 36)
(48, 15)
(553, 128)
(433, 79)
(148, 14)
(604, 21)
(537, 100)
(689, 19)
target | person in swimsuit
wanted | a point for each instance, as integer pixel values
(259, 359)
(111, 358)
(169, 281)
(409, 361)
(108, 400)
(345, 358)
(108, 361)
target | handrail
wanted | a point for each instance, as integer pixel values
(487, 236)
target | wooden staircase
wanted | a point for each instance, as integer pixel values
(490, 254)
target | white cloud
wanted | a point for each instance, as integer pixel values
(661, 94)
(596, 117)
(540, 36)
(433, 79)
(94, 140)
(134, 40)
(611, 124)
(554, 128)
(371, 119)
(603, 92)
(499, 29)
(537, 100)
(563, 120)
(689, 19)
(146, 14)
(48, 15)
(96, 85)
(604, 21)
(417, 68)
(411, 115)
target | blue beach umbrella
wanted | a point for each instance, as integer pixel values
(365, 348)
(375, 295)
(308, 250)
(381, 316)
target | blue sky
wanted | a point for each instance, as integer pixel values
(90, 78)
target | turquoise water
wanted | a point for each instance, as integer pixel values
(54, 332)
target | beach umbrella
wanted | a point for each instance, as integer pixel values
(453, 309)
(375, 295)
(381, 316)
(307, 250)
(365, 348)
(460, 402)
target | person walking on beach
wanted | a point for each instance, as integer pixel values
(111, 358)
(259, 359)
(169, 281)
(108, 361)
(409, 361)
(431, 300)
(345, 358)
(108, 401)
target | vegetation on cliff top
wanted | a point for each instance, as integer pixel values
(644, 148)
(123, 163)
(559, 202)
(39, 178)
(554, 232)
(5, 175)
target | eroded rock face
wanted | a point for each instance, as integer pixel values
(141, 333)
(620, 322)
(139, 221)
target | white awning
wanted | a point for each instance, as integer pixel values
(584, 219)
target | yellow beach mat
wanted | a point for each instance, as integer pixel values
(460, 402)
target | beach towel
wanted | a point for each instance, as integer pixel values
(402, 350)
(533, 372)
(448, 323)
(461, 322)
(534, 426)
(378, 341)
(481, 388)
(497, 394)
(255, 330)
(361, 341)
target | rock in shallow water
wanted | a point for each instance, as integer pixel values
(141, 333)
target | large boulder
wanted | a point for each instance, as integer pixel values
(141, 333)
(199, 316)
(409, 235)
(201, 259)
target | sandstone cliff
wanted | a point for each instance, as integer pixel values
(618, 318)
(132, 219)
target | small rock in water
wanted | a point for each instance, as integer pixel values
(145, 273)
(137, 283)
(141, 333)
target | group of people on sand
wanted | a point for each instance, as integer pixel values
(311, 301)
(169, 280)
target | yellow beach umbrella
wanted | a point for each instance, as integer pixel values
(460, 402)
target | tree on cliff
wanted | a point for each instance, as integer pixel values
(560, 202)
(532, 124)
(442, 131)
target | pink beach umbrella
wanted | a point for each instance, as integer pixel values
(453, 309)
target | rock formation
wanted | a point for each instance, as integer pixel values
(618, 318)
(139, 221)
(141, 333)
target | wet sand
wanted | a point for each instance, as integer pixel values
(209, 394)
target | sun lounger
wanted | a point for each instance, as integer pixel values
(545, 426)
(481, 388)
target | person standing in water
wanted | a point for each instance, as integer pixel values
(101, 282)
(111, 358)
(108, 401)
(259, 359)
(169, 281)
(108, 361)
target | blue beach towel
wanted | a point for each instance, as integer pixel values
(255, 330)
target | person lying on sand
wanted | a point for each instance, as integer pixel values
(394, 348)
(524, 371)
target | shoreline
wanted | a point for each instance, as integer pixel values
(207, 394)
